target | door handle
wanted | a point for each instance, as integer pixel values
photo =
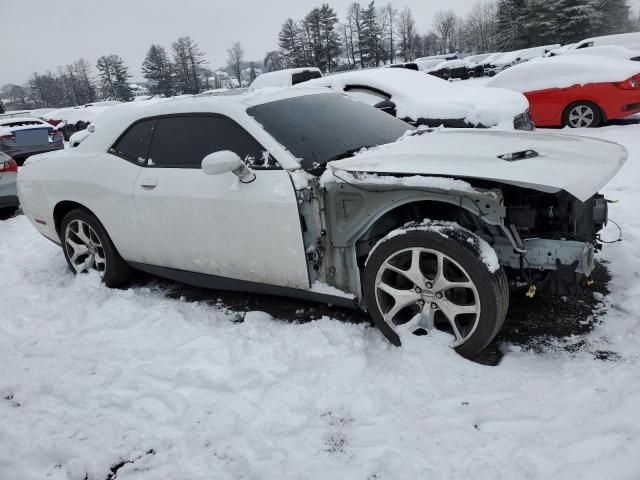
(148, 182)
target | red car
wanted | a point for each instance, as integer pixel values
(575, 91)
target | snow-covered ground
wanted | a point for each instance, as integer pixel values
(91, 378)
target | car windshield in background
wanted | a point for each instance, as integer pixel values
(320, 128)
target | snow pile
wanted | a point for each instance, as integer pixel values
(564, 71)
(417, 95)
(95, 380)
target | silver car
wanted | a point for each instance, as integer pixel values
(8, 176)
(25, 136)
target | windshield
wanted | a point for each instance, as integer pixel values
(323, 127)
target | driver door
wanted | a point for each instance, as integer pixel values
(214, 224)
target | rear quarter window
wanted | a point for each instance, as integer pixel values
(133, 145)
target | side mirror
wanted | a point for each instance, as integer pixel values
(227, 161)
(386, 106)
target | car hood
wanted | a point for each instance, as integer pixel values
(577, 165)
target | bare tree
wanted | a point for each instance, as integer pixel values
(235, 55)
(444, 23)
(388, 15)
(481, 26)
(407, 32)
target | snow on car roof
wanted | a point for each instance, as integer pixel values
(564, 71)
(418, 95)
(279, 78)
(110, 124)
(610, 51)
(12, 120)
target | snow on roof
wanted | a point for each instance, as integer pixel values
(564, 71)
(74, 114)
(525, 54)
(611, 51)
(115, 119)
(418, 95)
(452, 64)
(279, 78)
(626, 39)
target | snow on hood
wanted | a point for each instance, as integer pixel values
(564, 71)
(579, 166)
(417, 95)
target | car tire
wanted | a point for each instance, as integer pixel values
(412, 308)
(582, 114)
(87, 245)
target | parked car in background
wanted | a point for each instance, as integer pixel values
(609, 51)
(475, 64)
(426, 100)
(427, 66)
(575, 90)
(407, 65)
(70, 120)
(559, 51)
(307, 194)
(8, 175)
(21, 137)
(442, 57)
(629, 40)
(285, 78)
(510, 59)
(487, 63)
(451, 69)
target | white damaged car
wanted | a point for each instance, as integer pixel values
(308, 194)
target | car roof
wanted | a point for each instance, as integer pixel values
(115, 120)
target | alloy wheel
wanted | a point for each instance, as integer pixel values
(420, 289)
(581, 116)
(84, 248)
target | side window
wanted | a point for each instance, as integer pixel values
(134, 144)
(183, 141)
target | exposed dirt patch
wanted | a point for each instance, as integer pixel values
(542, 323)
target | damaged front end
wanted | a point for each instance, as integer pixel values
(557, 236)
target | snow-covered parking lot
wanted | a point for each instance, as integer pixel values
(132, 384)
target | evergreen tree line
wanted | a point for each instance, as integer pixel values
(370, 35)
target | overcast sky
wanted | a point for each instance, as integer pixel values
(39, 35)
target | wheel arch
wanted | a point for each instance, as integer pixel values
(62, 208)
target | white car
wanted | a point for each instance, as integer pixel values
(516, 57)
(427, 100)
(308, 194)
(628, 40)
(285, 78)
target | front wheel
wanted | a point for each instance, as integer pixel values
(87, 246)
(582, 115)
(434, 277)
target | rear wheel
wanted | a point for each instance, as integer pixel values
(87, 246)
(582, 115)
(420, 281)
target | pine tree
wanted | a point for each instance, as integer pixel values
(370, 41)
(2, 109)
(188, 60)
(114, 78)
(575, 20)
(289, 44)
(156, 68)
(510, 18)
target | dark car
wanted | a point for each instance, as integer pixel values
(26, 136)
(451, 69)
